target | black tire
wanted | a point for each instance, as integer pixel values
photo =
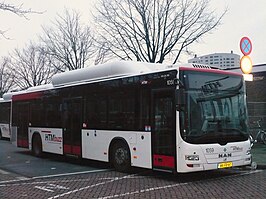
(37, 145)
(121, 157)
(263, 137)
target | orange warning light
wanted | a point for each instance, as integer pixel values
(246, 64)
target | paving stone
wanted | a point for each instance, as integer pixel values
(146, 184)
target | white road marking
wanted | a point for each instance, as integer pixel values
(90, 186)
(43, 182)
(3, 172)
(56, 175)
(21, 178)
(69, 174)
(144, 190)
(50, 187)
(112, 178)
(44, 189)
(250, 172)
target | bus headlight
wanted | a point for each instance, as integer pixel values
(192, 157)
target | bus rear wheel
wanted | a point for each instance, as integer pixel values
(37, 146)
(121, 157)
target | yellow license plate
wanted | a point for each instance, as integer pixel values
(223, 165)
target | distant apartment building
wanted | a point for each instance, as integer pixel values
(222, 60)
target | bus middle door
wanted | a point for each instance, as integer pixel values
(72, 124)
(163, 129)
(23, 114)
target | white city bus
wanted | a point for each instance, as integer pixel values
(5, 108)
(162, 117)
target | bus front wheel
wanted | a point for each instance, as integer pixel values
(37, 145)
(121, 157)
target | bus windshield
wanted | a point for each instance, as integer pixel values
(215, 109)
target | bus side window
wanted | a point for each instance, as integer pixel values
(65, 115)
(96, 111)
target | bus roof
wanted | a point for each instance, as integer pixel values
(7, 96)
(105, 71)
(4, 100)
(40, 87)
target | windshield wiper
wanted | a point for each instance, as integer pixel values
(206, 137)
(222, 137)
(242, 133)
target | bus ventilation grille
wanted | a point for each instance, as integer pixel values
(201, 66)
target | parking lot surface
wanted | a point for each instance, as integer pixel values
(67, 179)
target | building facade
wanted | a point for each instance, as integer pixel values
(256, 94)
(221, 60)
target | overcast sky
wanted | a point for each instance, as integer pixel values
(244, 18)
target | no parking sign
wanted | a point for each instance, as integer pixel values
(245, 61)
(245, 46)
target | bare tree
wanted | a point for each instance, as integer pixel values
(31, 67)
(6, 76)
(153, 30)
(15, 9)
(102, 52)
(69, 42)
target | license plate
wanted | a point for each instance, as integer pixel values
(224, 165)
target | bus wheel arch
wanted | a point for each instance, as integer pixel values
(120, 156)
(36, 144)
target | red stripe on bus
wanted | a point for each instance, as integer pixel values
(206, 70)
(27, 96)
(46, 131)
(163, 161)
(67, 149)
(23, 143)
(74, 150)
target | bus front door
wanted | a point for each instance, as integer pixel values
(163, 130)
(72, 124)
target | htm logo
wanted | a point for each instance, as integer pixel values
(52, 137)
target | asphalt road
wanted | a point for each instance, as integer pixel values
(25, 176)
(21, 161)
